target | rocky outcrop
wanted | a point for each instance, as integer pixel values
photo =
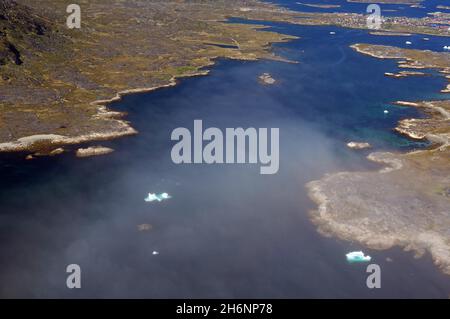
(266, 79)
(93, 151)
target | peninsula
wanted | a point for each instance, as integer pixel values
(55, 82)
(406, 203)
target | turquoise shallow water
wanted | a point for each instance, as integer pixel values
(227, 231)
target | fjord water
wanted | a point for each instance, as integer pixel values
(227, 231)
(426, 6)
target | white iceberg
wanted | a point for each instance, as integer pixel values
(357, 257)
(155, 253)
(156, 197)
(332, 32)
(385, 111)
(408, 42)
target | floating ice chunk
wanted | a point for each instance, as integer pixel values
(155, 253)
(164, 196)
(357, 257)
(408, 42)
(332, 32)
(385, 111)
(152, 197)
(447, 47)
(158, 197)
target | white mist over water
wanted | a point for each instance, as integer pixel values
(227, 231)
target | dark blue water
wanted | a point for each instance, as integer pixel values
(386, 9)
(227, 231)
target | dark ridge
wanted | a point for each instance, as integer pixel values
(22, 18)
(224, 46)
(16, 53)
(24, 32)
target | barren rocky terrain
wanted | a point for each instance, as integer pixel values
(407, 202)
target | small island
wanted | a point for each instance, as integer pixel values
(266, 79)
(93, 151)
(404, 74)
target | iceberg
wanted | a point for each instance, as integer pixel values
(408, 42)
(157, 197)
(357, 257)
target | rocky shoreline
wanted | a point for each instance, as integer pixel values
(63, 99)
(51, 114)
(406, 203)
(45, 141)
(390, 208)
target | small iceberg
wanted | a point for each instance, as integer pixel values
(385, 111)
(357, 257)
(155, 253)
(332, 32)
(156, 197)
(408, 42)
(447, 47)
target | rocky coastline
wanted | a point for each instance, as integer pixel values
(406, 202)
